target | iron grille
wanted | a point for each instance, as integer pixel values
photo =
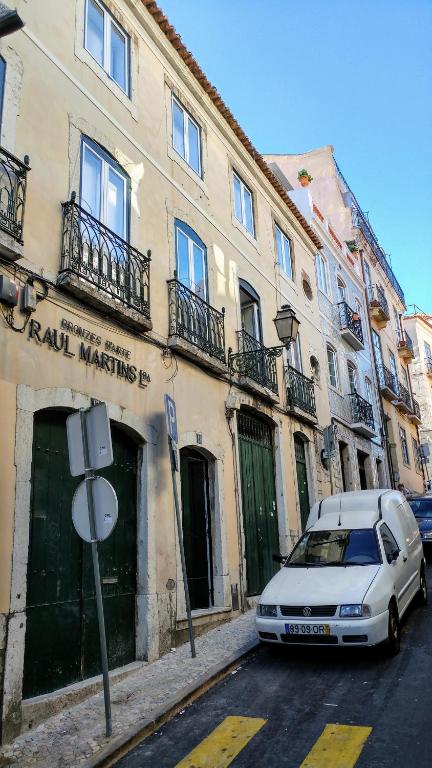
(196, 321)
(300, 391)
(416, 408)
(404, 396)
(346, 318)
(387, 379)
(377, 298)
(405, 340)
(256, 430)
(361, 411)
(315, 610)
(255, 361)
(96, 254)
(13, 187)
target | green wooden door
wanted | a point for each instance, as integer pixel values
(62, 641)
(302, 480)
(197, 535)
(258, 501)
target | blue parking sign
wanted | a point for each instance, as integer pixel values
(171, 417)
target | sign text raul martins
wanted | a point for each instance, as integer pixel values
(60, 341)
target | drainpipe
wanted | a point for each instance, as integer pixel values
(375, 371)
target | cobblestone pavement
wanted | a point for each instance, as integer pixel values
(75, 735)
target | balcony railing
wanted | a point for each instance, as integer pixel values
(405, 342)
(361, 411)
(196, 321)
(416, 410)
(387, 380)
(103, 259)
(360, 220)
(13, 186)
(256, 362)
(300, 391)
(404, 397)
(350, 321)
(377, 300)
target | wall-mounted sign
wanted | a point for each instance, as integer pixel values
(92, 353)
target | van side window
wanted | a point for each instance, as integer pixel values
(388, 540)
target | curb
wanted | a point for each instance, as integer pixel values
(121, 745)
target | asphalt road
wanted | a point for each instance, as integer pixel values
(298, 692)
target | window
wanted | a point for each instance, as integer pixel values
(427, 351)
(284, 251)
(352, 377)
(321, 270)
(250, 311)
(389, 542)
(396, 322)
(191, 257)
(243, 204)
(339, 548)
(186, 136)
(404, 445)
(393, 368)
(405, 376)
(104, 188)
(2, 84)
(294, 354)
(358, 307)
(416, 454)
(368, 390)
(332, 367)
(341, 290)
(107, 43)
(368, 279)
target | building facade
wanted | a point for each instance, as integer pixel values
(146, 248)
(391, 345)
(418, 326)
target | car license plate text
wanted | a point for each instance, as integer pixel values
(307, 629)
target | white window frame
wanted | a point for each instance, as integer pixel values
(368, 390)
(187, 118)
(336, 367)
(368, 279)
(353, 368)
(294, 355)
(404, 442)
(286, 246)
(191, 242)
(341, 290)
(108, 21)
(322, 275)
(242, 221)
(106, 168)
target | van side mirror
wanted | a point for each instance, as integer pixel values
(279, 558)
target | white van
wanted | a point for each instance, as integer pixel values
(350, 577)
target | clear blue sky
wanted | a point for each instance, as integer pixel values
(299, 74)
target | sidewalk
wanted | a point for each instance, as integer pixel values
(76, 736)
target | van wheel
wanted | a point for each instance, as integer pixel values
(422, 594)
(393, 640)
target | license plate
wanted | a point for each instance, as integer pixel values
(307, 629)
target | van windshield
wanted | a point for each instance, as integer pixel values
(358, 546)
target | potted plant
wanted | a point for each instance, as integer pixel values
(352, 245)
(304, 177)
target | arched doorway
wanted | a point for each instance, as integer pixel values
(62, 644)
(197, 527)
(302, 478)
(260, 522)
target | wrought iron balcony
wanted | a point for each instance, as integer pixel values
(13, 187)
(362, 415)
(300, 391)
(404, 402)
(106, 262)
(428, 364)
(387, 382)
(255, 361)
(350, 325)
(360, 220)
(378, 305)
(415, 415)
(405, 346)
(195, 321)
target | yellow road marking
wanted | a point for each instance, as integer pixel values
(220, 748)
(339, 746)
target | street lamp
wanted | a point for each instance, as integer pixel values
(287, 325)
(10, 21)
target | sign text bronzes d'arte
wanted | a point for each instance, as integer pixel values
(104, 355)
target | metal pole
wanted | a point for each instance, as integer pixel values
(172, 450)
(89, 477)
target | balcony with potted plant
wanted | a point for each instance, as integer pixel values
(350, 326)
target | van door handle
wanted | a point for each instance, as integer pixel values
(404, 558)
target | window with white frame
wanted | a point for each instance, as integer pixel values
(104, 188)
(186, 136)
(404, 445)
(294, 354)
(352, 377)
(368, 279)
(427, 351)
(107, 42)
(396, 321)
(332, 367)
(416, 454)
(358, 307)
(191, 258)
(284, 251)
(368, 390)
(243, 204)
(321, 270)
(341, 290)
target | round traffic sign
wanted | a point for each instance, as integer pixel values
(105, 508)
